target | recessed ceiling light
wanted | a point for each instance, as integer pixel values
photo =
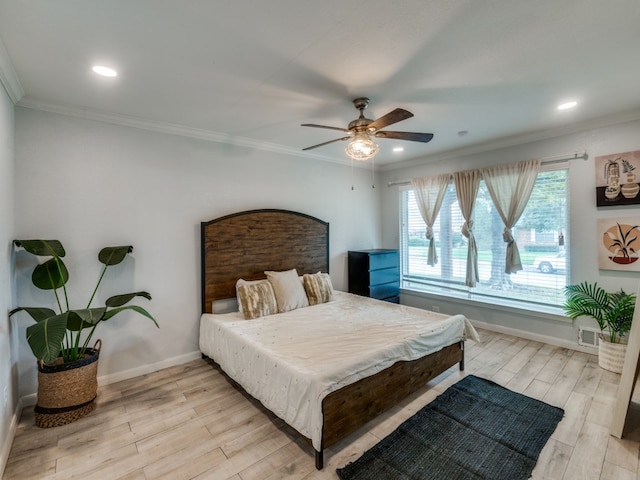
(105, 71)
(565, 106)
(398, 149)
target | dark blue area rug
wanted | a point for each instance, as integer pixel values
(474, 430)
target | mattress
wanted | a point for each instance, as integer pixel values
(291, 361)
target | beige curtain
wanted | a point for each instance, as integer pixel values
(467, 184)
(510, 188)
(429, 193)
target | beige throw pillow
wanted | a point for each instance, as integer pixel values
(256, 299)
(318, 287)
(242, 281)
(288, 288)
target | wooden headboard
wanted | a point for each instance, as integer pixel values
(245, 244)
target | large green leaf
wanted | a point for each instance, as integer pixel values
(37, 313)
(119, 300)
(135, 308)
(50, 275)
(42, 248)
(620, 316)
(84, 318)
(45, 337)
(586, 299)
(114, 255)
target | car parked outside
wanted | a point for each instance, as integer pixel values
(551, 264)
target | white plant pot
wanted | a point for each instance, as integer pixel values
(611, 355)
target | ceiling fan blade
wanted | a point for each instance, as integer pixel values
(323, 126)
(390, 118)
(326, 143)
(414, 137)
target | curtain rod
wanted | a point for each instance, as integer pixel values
(545, 161)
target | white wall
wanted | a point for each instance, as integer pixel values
(8, 366)
(92, 184)
(582, 236)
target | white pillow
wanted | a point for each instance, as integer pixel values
(288, 288)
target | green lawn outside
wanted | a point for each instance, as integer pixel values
(485, 255)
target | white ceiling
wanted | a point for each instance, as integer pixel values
(249, 72)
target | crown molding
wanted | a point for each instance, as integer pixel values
(8, 76)
(227, 139)
(515, 140)
(170, 129)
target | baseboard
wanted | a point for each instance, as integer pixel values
(536, 337)
(150, 368)
(8, 440)
(29, 400)
(32, 398)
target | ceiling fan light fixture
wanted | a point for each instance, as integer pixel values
(360, 131)
(361, 147)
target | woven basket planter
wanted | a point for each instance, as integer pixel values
(67, 391)
(611, 355)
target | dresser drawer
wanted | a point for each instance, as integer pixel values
(384, 275)
(394, 299)
(384, 291)
(383, 260)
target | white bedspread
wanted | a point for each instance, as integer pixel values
(291, 361)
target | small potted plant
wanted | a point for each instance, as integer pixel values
(61, 341)
(612, 311)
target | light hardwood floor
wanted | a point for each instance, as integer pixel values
(189, 422)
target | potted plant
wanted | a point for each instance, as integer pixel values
(61, 341)
(612, 311)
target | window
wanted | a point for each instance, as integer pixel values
(540, 235)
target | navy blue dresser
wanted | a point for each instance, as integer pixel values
(375, 274)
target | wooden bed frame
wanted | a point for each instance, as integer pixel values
(245, 244)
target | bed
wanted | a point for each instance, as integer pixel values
(310, 366)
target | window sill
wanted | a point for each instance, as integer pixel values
(544, 312)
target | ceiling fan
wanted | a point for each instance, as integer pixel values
(360, 131)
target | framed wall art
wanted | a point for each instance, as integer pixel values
(619, 243)
(617, 177)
